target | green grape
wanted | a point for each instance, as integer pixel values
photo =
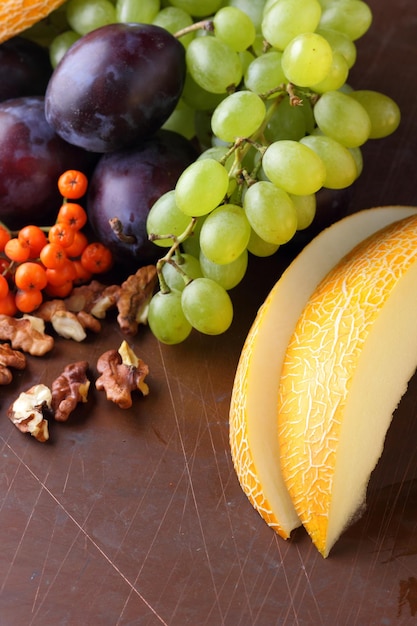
(285, 19)
(218, 153)
(166, 318)
(201, 187)
(357, 155)
(224, 234)
(203, 132)
(259, 46)
(207, 306)
(307, 109)
(173, 20)
(340, 116)
(325, 3)
(270, 212)
(246, 57)
(340, 43)
(144, 11)
(186, 267)
(265, 73)
(384, 113)
(234, 27)
(181, 120)
(239, 115)
(347, 89)
(213, 64)
(351, 17)
(197, 8)
(287, 122)
(60, 44)
(294, 167)
(165, 218)
(307, 59)
(268, 5)
(336, 77)
(198, 98)
(305, 207)
(86, 15)
(259, 247)
(253, 8)
(228, 275)
(341, 170)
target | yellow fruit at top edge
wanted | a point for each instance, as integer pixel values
(346, 367)
(253, 419)
(18, 15)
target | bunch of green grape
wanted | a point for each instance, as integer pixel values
(268, 99)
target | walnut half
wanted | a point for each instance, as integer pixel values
(10, 358)
(26, 333)
(28, 410)
(122, 372)
(70, 388)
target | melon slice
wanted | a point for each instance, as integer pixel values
(18, 15)
(253, 410)
(346, 367)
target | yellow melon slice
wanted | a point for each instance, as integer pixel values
(18, 15)
(346, 367)
(253, 410)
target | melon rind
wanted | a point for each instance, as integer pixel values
(253, 411)
(19, 15)
(346, 367)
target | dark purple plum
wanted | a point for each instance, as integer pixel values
(125, 185)
(116, 86)
(25, 69)
(32, 157)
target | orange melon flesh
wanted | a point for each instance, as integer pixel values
(18, 15)
(253, 418)
(345, 370)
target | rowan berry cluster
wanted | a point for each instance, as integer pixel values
(38, 262)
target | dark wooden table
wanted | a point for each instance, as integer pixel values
(136, 517)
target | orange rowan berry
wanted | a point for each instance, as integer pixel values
(34, 237)
(59, 291)
(8, 304)
(53, 256)
(62, 234)
(4, 287)
(72, 214)
(83, 275)
(76, 248)
(28, 301)
(72, 184)
(15, 250)
(30, 276)
(4, 265)
(97, 258)
(58, 276)
(5, 236)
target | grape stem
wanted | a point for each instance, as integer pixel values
(294, 99)
(243, 144)
(174, 250)
(239, 148)
(207, 25)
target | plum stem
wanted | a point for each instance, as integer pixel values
(117, 227)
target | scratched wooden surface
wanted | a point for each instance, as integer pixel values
(136, 517)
